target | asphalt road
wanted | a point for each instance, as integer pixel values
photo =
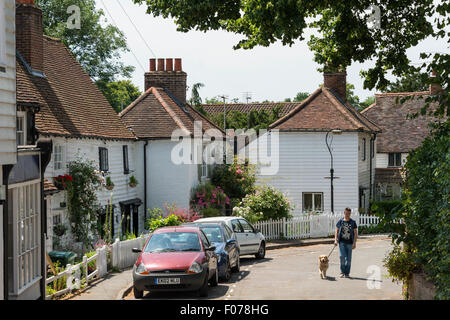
(292, 274)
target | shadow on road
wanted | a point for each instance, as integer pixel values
(365, 279)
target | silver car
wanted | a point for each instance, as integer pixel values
(250, 240)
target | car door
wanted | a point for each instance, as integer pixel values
(240, 236)
(251, 237)
(231, 248)
(210, 254)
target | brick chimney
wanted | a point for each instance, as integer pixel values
(337, 81)
(29, 33)
(169, 76)
(435, 88)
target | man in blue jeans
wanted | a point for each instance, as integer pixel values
(346, 235)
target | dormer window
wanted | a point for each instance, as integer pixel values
(21, 128)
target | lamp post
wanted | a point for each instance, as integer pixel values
(334, 132)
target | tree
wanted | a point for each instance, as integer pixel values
(410, 82)
(213, 100)
(349, 30)
(301, 96)
(119, 94)
(366, 103)
(96, 45)
(196, 100)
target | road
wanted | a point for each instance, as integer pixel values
(292, 274)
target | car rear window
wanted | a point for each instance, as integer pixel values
(173, 242)
(213, 233)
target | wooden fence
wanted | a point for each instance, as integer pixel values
(308, 226)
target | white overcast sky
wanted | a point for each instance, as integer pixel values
(269, 73)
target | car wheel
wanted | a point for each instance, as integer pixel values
(138, 294)
(203, 291)
(237, 267)
(227, 275)
(215, 280)
(261, 251)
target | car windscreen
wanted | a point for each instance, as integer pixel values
(173, 242)
(213, 233)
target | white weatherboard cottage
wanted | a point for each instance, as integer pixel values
(159, 112)
(8, 149)
(304, 161)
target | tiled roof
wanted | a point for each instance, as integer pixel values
(323, 111)
(70, 102)
(399, 134)
(156, 114)
(247, 107)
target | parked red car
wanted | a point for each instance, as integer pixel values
(175, 259)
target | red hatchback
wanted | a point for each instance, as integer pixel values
(175, 259)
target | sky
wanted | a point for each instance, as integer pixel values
(268, 73)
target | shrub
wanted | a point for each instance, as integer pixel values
(265, 204)
(426, 203)
(236, 180)
(154, 223)
(209, 200)
(184, 215)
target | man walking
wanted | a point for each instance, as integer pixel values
(346, 235)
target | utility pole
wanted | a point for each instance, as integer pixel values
(247, 96)
(224, 97)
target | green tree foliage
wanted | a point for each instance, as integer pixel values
(196, 100)
(96, 45)
(410, 82)
(366, 103)
(119, 94)
(301, 96)
(426, 217)
(346, 31)
(255, 119)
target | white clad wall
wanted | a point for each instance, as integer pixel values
(88, 150)
(168, 182)
(304, 161)
(7, 83)
(364, 166)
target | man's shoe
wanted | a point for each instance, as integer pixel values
(342, 275)
(347, 276)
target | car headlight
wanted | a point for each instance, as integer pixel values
(141, 269)
(195, 268)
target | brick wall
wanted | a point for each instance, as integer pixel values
(29, 35)
(337, 82)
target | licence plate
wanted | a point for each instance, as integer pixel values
(167, 281)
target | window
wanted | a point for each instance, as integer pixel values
(126, 167)
(395, 159)
(204, 238)
(236, 226)
(363, 150)
(58, 157)
(2, 37)
(56, 219)
(21, 128)
(103, 159)
(247, 227)
(312, 201)
(228, 232)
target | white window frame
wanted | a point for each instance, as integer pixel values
(313, 201)
(22, 115)
(2, 33)
(58, 159)
(26, 246)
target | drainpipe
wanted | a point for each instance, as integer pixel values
(145, 181)
(372, 156)
(6, 170)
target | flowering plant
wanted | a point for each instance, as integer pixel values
(209, 200)
(61, 181)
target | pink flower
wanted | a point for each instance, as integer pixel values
(227, 200)
(239, 171)
(214, 195)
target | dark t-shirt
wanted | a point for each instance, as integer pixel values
(346, 230)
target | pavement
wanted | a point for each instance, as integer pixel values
(118, 285)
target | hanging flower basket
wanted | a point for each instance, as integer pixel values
(61, 181)
(133, 182)
(109, 184)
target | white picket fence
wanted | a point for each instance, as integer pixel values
(73, 273)
(121, 255)
(308, 226)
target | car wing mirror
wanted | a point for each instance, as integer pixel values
(136, 250)
(257, 231)
(231, 241)
(211, 248)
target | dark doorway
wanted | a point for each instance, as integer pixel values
(130, 216)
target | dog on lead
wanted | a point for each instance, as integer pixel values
(323, 266)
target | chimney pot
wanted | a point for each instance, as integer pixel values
(169, 64)
(152, 64)
(160, 64)
(435, 88)
(178, 64)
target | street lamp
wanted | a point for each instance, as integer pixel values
(334, 132)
